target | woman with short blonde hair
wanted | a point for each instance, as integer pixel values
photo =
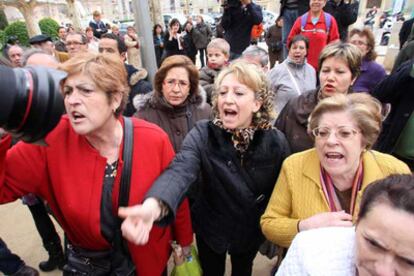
(364, 110)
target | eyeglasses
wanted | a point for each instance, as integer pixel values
(74, 43)
(171, 83)
(343, 132)
(358, 42)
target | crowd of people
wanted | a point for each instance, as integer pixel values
(310, 152)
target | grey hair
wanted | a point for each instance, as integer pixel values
(84, 39)
(256, 52)
(33, 51)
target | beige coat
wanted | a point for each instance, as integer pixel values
(133, 53)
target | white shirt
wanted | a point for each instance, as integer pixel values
(321, 252)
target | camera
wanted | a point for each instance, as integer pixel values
(231, 3)
(30, 101)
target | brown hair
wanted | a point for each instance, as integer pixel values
(396, 190)
(366, 32)
(363, 108)
(173, 62)
(106, 70)
(345, 51)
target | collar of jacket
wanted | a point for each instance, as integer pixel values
(295, 65)
(369, 162)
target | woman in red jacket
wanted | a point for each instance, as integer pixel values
(318, 26)
(77, 172)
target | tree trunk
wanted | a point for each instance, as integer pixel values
(156, 16)
(3, 18)
(74, 15)
(32, 24)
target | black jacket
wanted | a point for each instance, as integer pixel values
(188, 45)
(303, 6)
(344, 14)
(138, 86)
(235, 189)
(238, 23)
(398, 90)
(171, 46)
(405, 31)
(98, 26)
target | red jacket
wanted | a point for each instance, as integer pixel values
(69, 174)
(317, 40)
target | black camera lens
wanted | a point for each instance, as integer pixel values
(30, 101)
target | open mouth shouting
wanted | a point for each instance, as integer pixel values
(333, 158)
(76, 117)
(229, 114)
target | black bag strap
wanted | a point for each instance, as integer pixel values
(119, 244)
(127, 158)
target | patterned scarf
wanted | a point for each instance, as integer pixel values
(330, 194)
(242, 137)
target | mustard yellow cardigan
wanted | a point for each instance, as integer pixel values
(298, 192)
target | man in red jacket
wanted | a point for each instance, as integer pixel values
(319, 27)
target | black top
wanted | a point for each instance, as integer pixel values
(108, 221)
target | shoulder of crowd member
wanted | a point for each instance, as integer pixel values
(388, 163)
(274, 73)
(147, 101)
(300, 159)
(206, 73)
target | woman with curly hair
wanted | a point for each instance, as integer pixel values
(238, 155)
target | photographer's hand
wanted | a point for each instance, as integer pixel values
(2, 132)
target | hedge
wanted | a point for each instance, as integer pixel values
(18, 29)
(49, 27)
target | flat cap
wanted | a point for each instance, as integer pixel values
(39, 39)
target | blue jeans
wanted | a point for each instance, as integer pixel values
(9, 262)
(289, 18)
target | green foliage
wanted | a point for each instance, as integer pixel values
(2, 39)
(49, 27)
(3, 20)
(19, 30)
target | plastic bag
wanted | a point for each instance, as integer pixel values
(186, 265)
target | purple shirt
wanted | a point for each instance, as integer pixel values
(371, 74)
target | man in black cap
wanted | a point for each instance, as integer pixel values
(45, 43)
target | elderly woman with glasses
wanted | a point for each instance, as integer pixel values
(176, 103)
(322, 187)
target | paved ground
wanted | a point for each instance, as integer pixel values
(18, 231)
